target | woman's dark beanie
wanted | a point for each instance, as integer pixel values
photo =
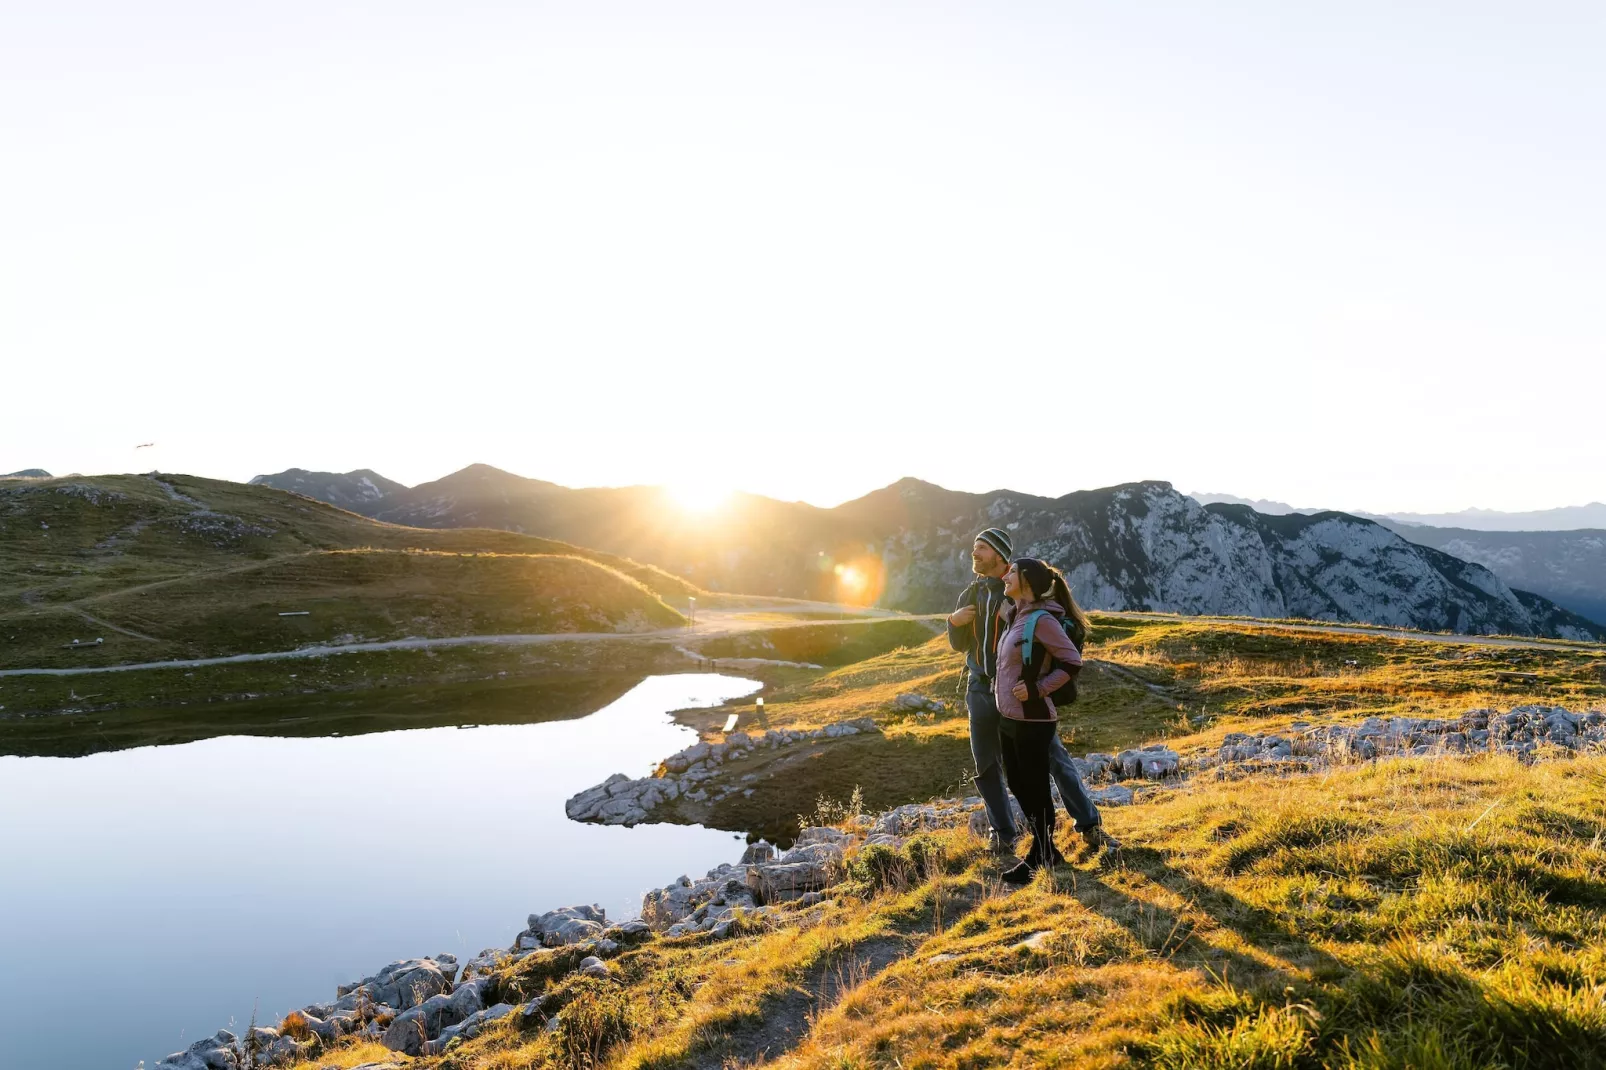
(999, 540)
(1038, 576)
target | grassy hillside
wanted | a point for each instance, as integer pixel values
(172, 566)
(1418, 913)
(1423, 913)
(1184, 682)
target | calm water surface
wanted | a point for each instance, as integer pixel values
(149, 897)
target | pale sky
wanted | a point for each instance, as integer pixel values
(1346, 254)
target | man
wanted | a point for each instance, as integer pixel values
(973, 629)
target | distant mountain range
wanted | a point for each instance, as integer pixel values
(27, 473)
(1566, 518)
(349, 490)
(1137, 546)
(1567, 567)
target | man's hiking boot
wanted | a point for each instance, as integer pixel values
(1019, 874)
(1100, 843)
(999, 846)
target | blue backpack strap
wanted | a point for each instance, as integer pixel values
(1031, 630)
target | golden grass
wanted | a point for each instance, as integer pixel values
(348, 1055)
(1418, 913)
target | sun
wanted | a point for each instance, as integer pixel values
(698, 497)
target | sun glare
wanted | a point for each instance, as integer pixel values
(698, 497)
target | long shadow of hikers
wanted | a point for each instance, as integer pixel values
(1285, 955)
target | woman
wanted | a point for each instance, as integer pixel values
(1028, 674)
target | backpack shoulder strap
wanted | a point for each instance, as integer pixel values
(1029, 633)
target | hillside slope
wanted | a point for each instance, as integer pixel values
(1429, 913)
(169, 566)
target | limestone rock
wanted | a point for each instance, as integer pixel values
(219, 1051)
(409, 1030)
(566, 925)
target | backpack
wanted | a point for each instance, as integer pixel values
(1035, 661)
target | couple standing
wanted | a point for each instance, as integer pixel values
(1011, 624)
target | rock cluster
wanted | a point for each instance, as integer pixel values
(420, 1006)
(619, 800)
(919, 704)
(1154, 762)
(1522, 731)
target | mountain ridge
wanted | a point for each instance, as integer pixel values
(1140, 546)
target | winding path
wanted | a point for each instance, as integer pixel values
(721, 622)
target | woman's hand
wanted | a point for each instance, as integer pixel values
(1020, 692)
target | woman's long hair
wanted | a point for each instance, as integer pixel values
(1046, 581)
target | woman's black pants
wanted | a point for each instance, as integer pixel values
(1026, 767)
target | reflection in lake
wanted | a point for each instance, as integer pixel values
(151, 895)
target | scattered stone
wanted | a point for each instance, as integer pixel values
(919, 703)
(1521, 731)
(1036, 942)
(591, 966)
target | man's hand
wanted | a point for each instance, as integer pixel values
(962, 616)
(1020, 692)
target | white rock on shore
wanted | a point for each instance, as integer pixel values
(619, 800)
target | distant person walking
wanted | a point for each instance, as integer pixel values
(973, 629)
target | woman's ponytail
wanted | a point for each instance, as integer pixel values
(1062, 595)
(1046, 581)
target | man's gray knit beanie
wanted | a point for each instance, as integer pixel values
(999, 540)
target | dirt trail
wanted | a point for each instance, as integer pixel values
(721, 622)
(787, 1020)
(712, 623)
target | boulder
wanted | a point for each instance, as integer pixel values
(762, 851)
(777, 881)
(566, 925)
(1114, 795)
(402, 984)
(626, 932)
(409, 1030)
(220, 1051)
(591, 966)
(470, 1027)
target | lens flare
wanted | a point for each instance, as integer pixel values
(859, 582)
